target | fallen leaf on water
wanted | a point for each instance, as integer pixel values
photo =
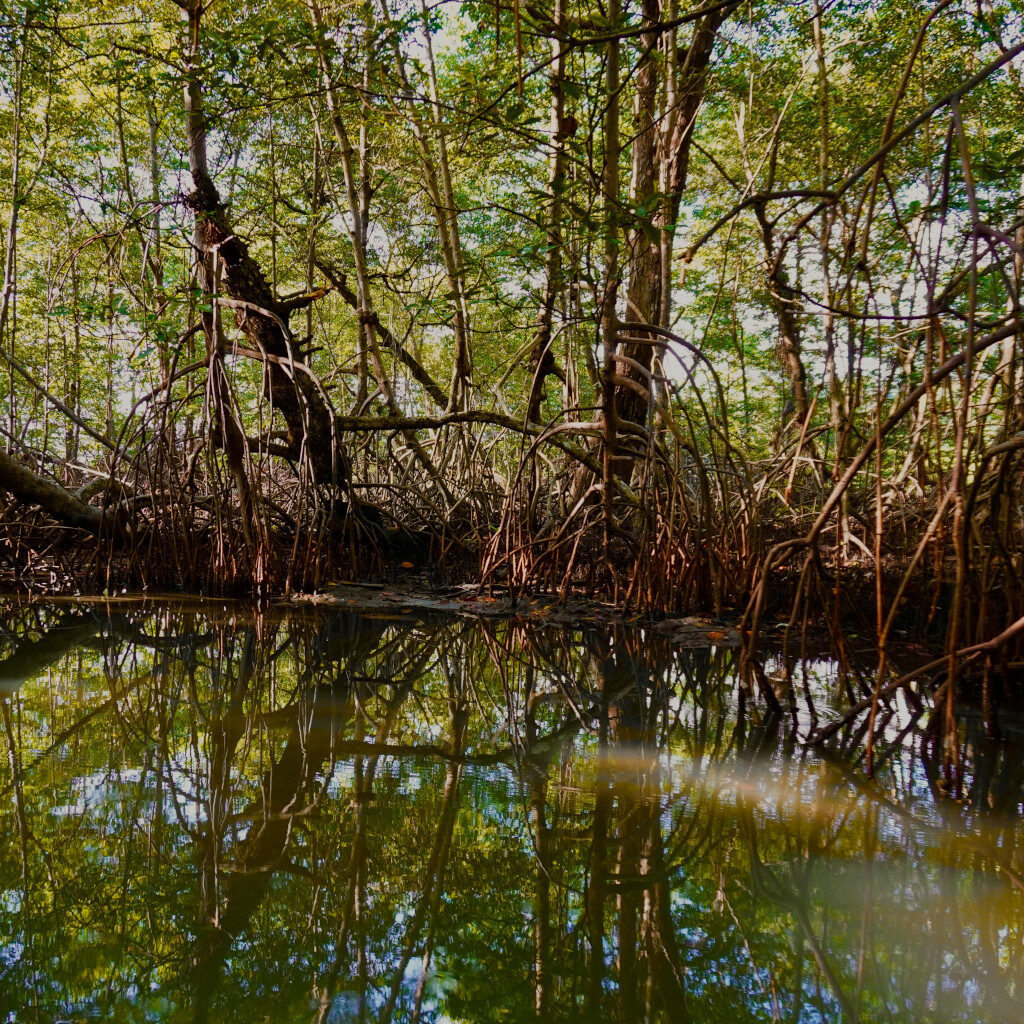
(407, 565)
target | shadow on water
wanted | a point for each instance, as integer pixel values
(211, 813)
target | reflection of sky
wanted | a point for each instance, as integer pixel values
(889, 852)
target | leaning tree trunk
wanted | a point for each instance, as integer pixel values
(311, 429)
(30, 488)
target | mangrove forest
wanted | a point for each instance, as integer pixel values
(512, 510)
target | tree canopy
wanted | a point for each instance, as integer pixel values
(611, 293)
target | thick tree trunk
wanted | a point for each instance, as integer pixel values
(662, 157)
(263, 318)
(642, 299)
(32, 489)
(542, 360)
(650, 297)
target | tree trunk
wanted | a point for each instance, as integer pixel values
(437, 182)
(784, 300)
(649, 298)
(309, 420)
(612, 274)
(32, 489)
(542, 360)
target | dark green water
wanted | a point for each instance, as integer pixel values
(208, 814)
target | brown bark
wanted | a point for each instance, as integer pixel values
(263, 318)
(542, 361)
(668, 153)
(32, 489)
(612, 275)
(785, 302)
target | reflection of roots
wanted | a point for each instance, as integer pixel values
(662, 515)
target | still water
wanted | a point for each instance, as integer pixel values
(209, 813)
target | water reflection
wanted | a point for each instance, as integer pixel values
(210, 814)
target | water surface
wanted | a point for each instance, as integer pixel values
(213, 813)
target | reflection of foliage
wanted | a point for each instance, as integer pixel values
(210, 813)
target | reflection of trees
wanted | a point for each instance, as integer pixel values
(627, 818)
(383, 819)
(32, 654)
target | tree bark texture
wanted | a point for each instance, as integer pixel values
(263, 318)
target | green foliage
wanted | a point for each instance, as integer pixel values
(142, 769)
(104, 288)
